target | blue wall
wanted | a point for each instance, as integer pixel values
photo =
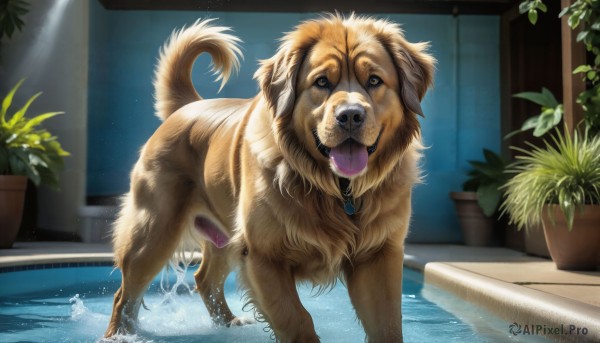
(462, 112)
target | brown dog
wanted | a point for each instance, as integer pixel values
(308, 181)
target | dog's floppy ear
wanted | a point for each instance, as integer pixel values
(414, 65)
(277, 75)
(277, 80)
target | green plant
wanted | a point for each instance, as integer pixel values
(531, 7)
(11, 12)
(587, 14)
(550, 115)
(26, 148)
(565, 172)
(486, 178)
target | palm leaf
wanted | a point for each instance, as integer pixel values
(37, 120)
(21, 113)
(8, 101)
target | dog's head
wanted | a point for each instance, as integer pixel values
(345, 93)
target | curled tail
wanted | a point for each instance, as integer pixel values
(172, 80)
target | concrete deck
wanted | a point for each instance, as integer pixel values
(516, 287)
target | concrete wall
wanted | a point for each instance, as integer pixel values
(52, 54)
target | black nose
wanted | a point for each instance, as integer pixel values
(350, 116)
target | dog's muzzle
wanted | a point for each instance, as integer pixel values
(325, 150)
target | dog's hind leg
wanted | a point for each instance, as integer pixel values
(146, 235)
(210, 280)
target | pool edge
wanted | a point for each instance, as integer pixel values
(512, 302)
(62, 258)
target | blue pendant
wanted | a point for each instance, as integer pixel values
(349, 207)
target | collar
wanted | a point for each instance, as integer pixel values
(346, 190)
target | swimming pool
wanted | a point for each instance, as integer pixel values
(55, 303)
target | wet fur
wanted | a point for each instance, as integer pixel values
(252, 168)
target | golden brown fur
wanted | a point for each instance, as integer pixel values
(262, 175)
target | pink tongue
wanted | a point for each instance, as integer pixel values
(349, 158)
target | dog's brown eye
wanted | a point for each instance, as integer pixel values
(374, 81)
(322, 82)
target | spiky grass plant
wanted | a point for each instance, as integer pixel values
(565, 172)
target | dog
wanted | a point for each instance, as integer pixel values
(309, 181)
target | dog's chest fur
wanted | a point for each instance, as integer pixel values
(316, 238)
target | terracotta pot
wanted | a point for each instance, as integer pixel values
(12, 198)
(476, 227)
(535, 241)
(578, 249)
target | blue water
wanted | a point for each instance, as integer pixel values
(74, 305)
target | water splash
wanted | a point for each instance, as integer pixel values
(180, 282)
(77, 307)
(86, 319)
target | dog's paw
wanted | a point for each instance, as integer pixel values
(241, 321)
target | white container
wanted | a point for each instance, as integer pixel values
(95, 223)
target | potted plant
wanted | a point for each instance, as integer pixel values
(558, 185)
(477, 205)
(585, 16)
(27, 151)
(551, 114)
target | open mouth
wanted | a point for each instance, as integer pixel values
(348, 158)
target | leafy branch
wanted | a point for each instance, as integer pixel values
(587, 14)
(11, 12)
(531, 7)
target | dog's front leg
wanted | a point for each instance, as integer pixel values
(375, 288)
(273, 292)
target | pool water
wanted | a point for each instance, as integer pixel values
(74, 305)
